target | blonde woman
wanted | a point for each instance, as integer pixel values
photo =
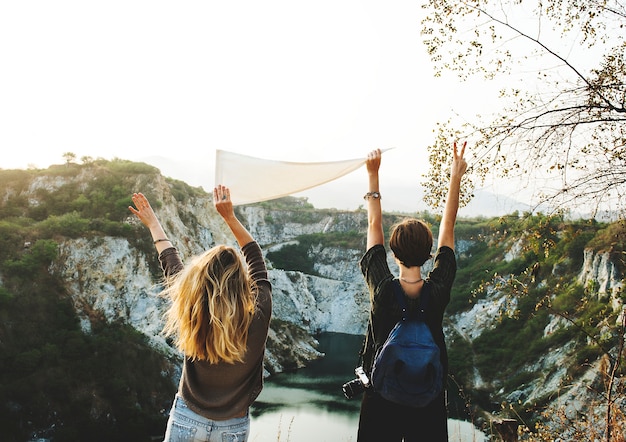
(219, 314)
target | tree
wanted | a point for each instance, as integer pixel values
(69, 157)
(562, 124)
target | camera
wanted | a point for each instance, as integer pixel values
(356, 386)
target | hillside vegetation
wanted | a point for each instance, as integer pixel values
(109, 383)
(106, 385)
(541, 286)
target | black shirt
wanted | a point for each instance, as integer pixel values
(385, 311)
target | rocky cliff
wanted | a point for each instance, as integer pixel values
(601, 276)
(109, 278)
(570, 387)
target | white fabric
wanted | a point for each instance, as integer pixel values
(252, 179)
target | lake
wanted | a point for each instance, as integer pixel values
(309, 405)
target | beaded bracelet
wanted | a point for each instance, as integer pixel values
(368, 195)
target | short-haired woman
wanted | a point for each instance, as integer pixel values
(411, 243)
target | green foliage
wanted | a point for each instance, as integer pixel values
(568, 300)
(70, 224)
(343, 240)
(71, 206)
(300, 256)
(543, 242)
(127, 168)
(17, 179)
(107, 385)
(286, 203)
(183, 191)
(506, 349)
(474, 267)
(293, 257)
(69, 157)
(471, 229)
(33, 260)
(612, 239)
(460, 357)
(573, 243)
(5, 296)
(12, 237)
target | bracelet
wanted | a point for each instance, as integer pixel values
(160, 239)
(368, 195)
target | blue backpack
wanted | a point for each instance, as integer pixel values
(407, 369)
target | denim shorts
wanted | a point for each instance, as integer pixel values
(184, 425)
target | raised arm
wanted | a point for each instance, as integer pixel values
(457, 169)
(375, 233)
(224, 206)
(146, 215)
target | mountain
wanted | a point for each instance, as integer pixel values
(403, 199)
(533, 326)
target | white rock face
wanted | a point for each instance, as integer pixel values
(600, 273)
(515, 250)
(320, 304)
(484, 315)
(108, 279)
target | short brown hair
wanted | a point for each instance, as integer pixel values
(411, 242)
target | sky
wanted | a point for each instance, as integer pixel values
(169, 83)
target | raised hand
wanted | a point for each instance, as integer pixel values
(144, 211)
(223, 203)
(373, 161)
(459, 165)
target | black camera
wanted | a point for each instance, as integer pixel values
(356, 386)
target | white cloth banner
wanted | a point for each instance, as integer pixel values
(252, 179)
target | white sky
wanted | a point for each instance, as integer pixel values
(288, 80)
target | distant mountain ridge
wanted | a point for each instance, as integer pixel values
(347, 193)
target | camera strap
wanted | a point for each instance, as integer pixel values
(368, 341)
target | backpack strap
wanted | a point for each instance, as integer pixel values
(369, 342)
(420, 315)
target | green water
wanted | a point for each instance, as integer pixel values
(308, 404)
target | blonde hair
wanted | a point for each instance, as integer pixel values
(213, 303)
